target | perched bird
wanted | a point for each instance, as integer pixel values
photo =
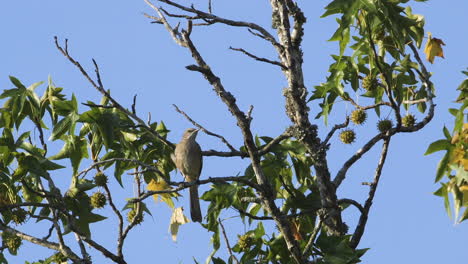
(188, 160)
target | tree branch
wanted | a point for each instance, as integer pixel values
(101, 89)
(359, 231)
(43, 242)
(277, 63)
(204, 129)
(227, 242)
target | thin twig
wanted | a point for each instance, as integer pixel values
(99, 105)
(313, 236)
(101, 89)
(336, 127)
(41, 242)
(185, 185)
(227, 241)
(204, 129)
(352, 202)
(359, 231)
(277, 63)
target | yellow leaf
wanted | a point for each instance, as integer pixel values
(433, 48)
(157, 186)
(177, 219)
(161, 185)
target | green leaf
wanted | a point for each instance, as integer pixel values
(442, 167)
(17, 83)
(218, 261)
(75, 148)
(64, 125)
(447, 133)
(106, 123)
(438, 145)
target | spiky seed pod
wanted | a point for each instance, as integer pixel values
(369, 83)
(133, 214)
(98, 200)
(347, 136)
(19, 216)
(100, 179)
(384, 125)
(12, 241)
(245, 242)
(358, 116)
(408, 120)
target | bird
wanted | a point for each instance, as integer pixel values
(189, 161)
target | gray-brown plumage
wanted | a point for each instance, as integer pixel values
(188, 160)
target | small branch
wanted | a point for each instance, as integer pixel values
(227, 242)
(134, 105)
(134, 221)
(367, 107)
(352, 202)
(266, 148)
(99, 163)
(277, 63)
(101, 89)
(210, 7)
(16, 205)
(312, 238)
(84, 254)
(99, 105)
(340, 176)
(49, 233)
(204, 129)
(254, 217)
(59, 234)
(41, 135)
(336, 127)
(216, 19)
(120, 220)
(185, 185)
(42, 242)
(388, 79)
(359, 231)
(422, 100)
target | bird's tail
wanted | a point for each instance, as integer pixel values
(195, 211)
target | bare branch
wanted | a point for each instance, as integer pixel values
(359, 231)
(277, 63)
(185, 185)
(227, 242)
(43, 242)
(99, 106)
(336, 127)
(349, 99)
(99, 163)
(312, 238)
(84, 253)
(101, 89)
(340, 176)
(119, 217)
(387, 78)
(352, 202)
(204, 129)
(216, 19)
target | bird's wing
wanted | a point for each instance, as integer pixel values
(201, 161)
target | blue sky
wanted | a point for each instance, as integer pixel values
(407, 223)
